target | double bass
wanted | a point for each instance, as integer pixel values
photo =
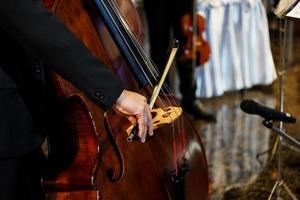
(93, 159)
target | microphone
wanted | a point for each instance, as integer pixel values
(252, 107)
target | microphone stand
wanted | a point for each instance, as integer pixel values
(269, 124)
(283, 24)
(279, 183)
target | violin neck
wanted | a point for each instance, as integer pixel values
(195, 32)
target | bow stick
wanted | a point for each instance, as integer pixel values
(172, 112)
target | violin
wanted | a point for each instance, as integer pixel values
(194, 47)
(93, 159)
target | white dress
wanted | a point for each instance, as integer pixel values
(237, 31)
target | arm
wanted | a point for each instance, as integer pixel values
(38, 31)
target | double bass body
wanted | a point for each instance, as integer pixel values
(94, 158)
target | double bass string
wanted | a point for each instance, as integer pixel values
(115, 17)
(113, 12)
(149, 63)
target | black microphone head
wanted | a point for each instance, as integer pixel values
(249, 106)
(252, 107)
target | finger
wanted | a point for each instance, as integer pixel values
(142, 130)
(145, 122)
(149, 123)
(142, 127)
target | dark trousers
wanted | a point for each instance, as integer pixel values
(20, 177)
(163, 19)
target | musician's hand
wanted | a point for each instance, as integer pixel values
(135, 107)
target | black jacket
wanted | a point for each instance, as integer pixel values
(25, 24)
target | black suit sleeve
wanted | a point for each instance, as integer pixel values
(39, 31)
